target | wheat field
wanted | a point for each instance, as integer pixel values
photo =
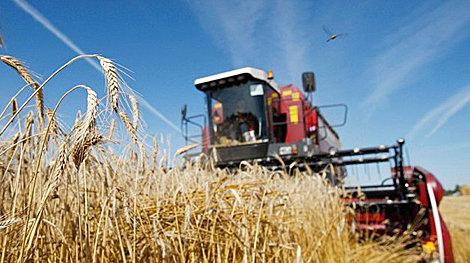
(75, 195)
(456, 213)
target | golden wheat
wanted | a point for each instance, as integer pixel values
(92, 109)
(112, 126)
(456, 213)
(14, 107)
(465, 190)
(113, 87)
(86, 135)
(53, 123)
(128, 124)
(135, 111)
(24, 74)
(112, 81)
(186, 148)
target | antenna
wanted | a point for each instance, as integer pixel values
(407, 156)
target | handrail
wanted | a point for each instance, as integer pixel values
(189, 120)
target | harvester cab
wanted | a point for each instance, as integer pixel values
(250, 117)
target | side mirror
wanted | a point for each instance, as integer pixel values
(308, 81)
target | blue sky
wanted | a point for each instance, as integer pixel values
(403, 69)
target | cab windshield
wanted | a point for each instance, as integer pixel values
(237, 114)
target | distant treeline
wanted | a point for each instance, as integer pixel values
(460, 189)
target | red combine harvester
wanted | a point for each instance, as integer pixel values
(250, 118)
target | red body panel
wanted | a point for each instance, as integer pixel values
(291, 104)
(303, 120)
(438, 191)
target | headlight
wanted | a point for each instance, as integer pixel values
(284, 150)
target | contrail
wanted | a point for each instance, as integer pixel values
(429, 38)
(49, 26)
(456, 103)
(439, 115)
(156, 112)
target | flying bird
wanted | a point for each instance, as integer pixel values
(332, 35)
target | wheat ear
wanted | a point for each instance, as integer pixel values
(14, 107)
(28, 125)
(112, 81)
(52, 119)
(92, 109)
(155, 152)
(61, 163)
(24, 74)
(8, 222)
(39, 89)
(127, 123)
(155, 146)
(86, 134)
(135, 111)
(83, 147)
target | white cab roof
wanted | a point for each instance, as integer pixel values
(255, 73)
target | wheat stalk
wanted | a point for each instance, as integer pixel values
(186, 148)
(112, 126)
(15, 139)
(24, 74)
(112, 81)
(11, 100)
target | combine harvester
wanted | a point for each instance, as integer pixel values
(250, 118)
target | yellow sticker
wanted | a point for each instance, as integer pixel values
(429, 247)
(295, 96)
(269, 101)
(293, 113)
(275, 95)
(218, 105)
(286, 92)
